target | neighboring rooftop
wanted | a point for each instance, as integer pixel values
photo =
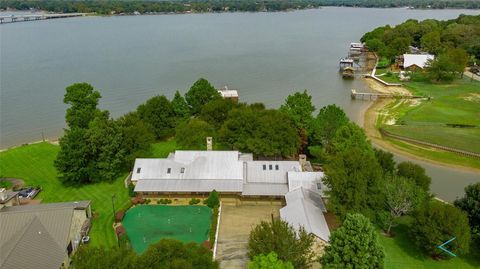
(227, 93)
(36, 236)
(419, 60)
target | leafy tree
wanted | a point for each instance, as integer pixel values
(353, 174)
(263, 132)
(173, 254)
(87, 257)
(375, 44)
(438, 222)
(213, 199)
(398, 46)
(200, 94)
(459, 58)
(470, 203)
(192, 134)
(441, 68)
(329, 119)
(431, 42)
(269, 261)
(299, 108)
(83, 101)
(180, 107)
(279, 237)
(354, 245)
(137, 137)
(74, 157)
(402, 197)
(385, 159)
(216, 111)
(158, 113)
(416, 173)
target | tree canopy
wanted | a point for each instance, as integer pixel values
(83, 101)
(438, 222)
(269, 261)
(299, 108)
(200, 94)
(416, 173)
(279, 237)
(329, 119)
(192, 134)
(158, 113)
(470, 203)
(354, 245)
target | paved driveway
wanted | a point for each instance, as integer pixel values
(235, 225)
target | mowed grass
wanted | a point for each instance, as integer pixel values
(401, 253)
(34, 164)
(459, 138)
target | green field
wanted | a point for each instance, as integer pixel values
(34, 164)
(400, 253)
(147, 224)
(456, 103)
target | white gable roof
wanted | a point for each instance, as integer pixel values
(307, 180)
(419, 60)
(302, 213)
(307, 195)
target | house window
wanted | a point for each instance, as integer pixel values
(276, 167)
(270, 167)
(182, 170)
(138, 170)
(319, 186)
(169, 170)
(264, 167)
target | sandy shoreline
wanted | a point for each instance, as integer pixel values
(370, 118)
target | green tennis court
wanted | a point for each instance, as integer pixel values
(147, 224)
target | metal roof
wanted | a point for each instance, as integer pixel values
(270, 171)
(188, 185)
(36, 236)
(305, 194)
(302, 213)
(264, 189)
(419, 60)
(308, 180)
(191, 165)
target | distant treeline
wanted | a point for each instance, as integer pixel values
(180, 6)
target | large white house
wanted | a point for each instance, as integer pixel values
(235, 174)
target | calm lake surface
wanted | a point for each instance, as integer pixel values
(266, 56)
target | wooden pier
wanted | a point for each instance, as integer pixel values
(374, 96)
(37, 17)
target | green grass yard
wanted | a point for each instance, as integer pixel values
(34, 164)
(400, 253)
(456, 103)
(147, 224)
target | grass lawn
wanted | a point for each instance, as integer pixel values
(429, 120)
(34, 164)
(147, 224)
(400, 253)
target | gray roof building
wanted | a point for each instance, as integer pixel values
(38, 236)
(305, 209)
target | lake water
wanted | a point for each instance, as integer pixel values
(266, 56)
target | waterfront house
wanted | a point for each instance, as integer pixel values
(414, 62)
(229, 94)
(42, 236)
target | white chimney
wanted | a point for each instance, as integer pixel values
(3, 194)
(209, 143)
(302, 159)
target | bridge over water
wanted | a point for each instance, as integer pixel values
(36, 17)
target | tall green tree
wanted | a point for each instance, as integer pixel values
(136, 137)
(416, 173)
(329, 119)
(83, 101)
(354, 245)
(192, 134)
(74, 157)
(470, 203)
(279, 237)
(200, 94)
(353, 174)
(158, 113)
(438, 222)
(87, 257)
(180, 107)
(269, 261)
(431, 42)
(216, 111)
(386, 161)
(299, 108)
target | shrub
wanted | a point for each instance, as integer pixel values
(120, 231)
(213, 200)
(164, 201)
(119, 215)
(213, 227)
(131, 189)
(194, 201)
(137, 200)
(6, 184)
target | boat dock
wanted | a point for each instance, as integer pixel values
(374, 95)
(37, 17)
